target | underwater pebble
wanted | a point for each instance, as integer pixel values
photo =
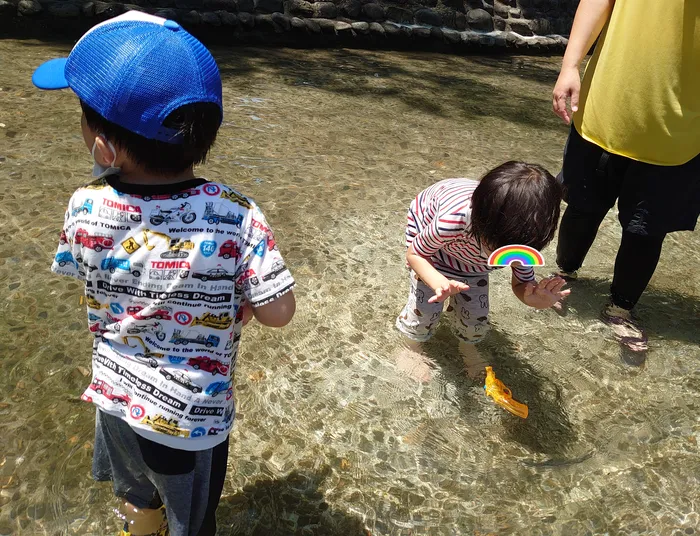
(36, 511)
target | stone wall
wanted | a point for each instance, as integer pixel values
(455, 25)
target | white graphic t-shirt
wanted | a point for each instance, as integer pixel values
(166, 270)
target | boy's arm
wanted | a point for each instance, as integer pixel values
(590, 19)
(265, 278)
(68, 259)
(278, 313)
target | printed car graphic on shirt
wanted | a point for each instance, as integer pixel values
(177, 249)
(96, 241)
(246, 279)
(165, 426)
(96, 327)
(92, 303)
(155, 329)
(124, 265)
(218, 213)
(85, 208)
(160, 313)
(181, 213)
(271, 244)
(106, 390)
(214, 274)
(231, 195)
(180, 378)
(277, 268)
(217, 388)
(66, 257)
(230, 249)
(97, 184)
(195, 337)
(209, 320)
(178, 195)
(146, 356)
(208, 365)
(89, 267)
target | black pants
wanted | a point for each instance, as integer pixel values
(635, 262)
(652, 201)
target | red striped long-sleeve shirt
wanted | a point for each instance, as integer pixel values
(439, 220)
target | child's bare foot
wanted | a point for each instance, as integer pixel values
(412, 362)
(474, 364)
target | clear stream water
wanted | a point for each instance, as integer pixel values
(332, 437)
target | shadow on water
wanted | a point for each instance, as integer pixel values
(287, 506)
(547, 429)
(440, 85)
(664, 313)
(437, 84)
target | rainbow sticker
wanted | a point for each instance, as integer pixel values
(507, 255)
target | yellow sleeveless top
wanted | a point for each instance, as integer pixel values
(640, 95)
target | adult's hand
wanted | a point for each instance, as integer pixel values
(591, 16)
(566, 90)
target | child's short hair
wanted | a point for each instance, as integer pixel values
(516, 203)
(197, 123)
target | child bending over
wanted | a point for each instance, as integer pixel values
(455, 225)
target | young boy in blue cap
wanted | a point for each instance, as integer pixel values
(173, 266)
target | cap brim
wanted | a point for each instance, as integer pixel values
(51, 75)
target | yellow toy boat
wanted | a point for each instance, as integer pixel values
(502, 396)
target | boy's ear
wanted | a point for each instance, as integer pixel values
(105, 152)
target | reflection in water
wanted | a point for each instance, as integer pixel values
(331, 436)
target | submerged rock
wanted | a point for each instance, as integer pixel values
(29, 7)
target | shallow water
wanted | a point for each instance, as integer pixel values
(332, 438)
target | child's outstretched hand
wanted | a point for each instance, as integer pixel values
(546, 293)
(451, 288)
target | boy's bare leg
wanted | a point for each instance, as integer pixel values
(412, 361)
(474, 363)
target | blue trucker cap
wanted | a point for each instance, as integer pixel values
(134, 70)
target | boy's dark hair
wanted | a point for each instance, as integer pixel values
(198, 124)
(516, 203)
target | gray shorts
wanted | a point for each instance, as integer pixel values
(469, 309)
(148, 474)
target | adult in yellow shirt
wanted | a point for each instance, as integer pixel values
(635, 140)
